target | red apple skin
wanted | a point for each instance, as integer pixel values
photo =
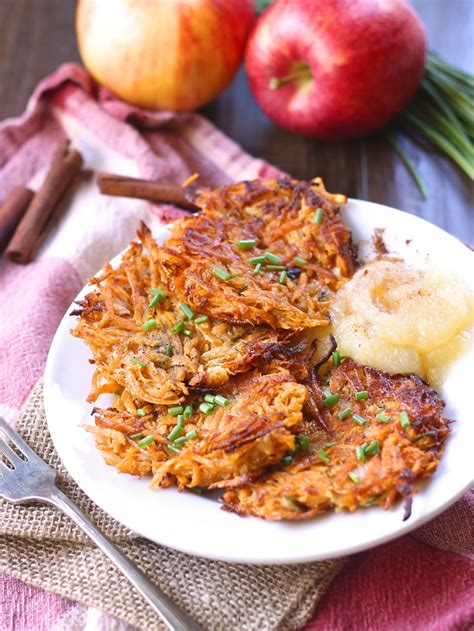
(366, 59)
(164, 54)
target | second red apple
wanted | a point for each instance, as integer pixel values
(335, 68)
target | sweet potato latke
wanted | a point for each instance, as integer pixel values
(379, 434)
(285, 222)
(249, 430)
(142, 340)
(208, 344)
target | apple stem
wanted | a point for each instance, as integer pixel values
(300, 74)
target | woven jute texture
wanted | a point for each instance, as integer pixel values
(44, 548)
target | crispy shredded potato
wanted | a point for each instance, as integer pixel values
(157, 365)
(337, 471)
(222, 380)
(282, 218)
(253, 431)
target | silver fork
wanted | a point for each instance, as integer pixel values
(29, 479)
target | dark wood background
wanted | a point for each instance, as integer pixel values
(37, 35)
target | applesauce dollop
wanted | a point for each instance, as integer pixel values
(404, 320)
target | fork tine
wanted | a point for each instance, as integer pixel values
(9, 454)
(16, 440)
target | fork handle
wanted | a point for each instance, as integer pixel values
(171, 615)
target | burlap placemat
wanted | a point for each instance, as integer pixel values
(44, 548)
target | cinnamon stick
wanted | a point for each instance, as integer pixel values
(31, 230)
(123, 186)
(12, 211)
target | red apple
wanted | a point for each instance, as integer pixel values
(163, 54)
(335, 68)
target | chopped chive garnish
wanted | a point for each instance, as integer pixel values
(154, 302)
(177, 429)
(187, 332)
(201, 319)
(373, 448)
(178, 327)
(220, 400)
(272, 258)
(291, 500)
(318, 215)
(206, 408)
(145, 441)
(175, 450)
(345, 413)
(149, 324)
(141, 412)
(383, 417)
(286, 460)
(136, 436)
(303, 442)
(354, 477)
(372, 499)
(404, 420)
(275, 267)
(359, 419)
(157, 294)
(361, 395)
(245, 244)
(299, 261)
(179, 441)
(168, 350)
(188, 312)
(329, 445)
(283, 277)
(323, 455)
(210, 398)
(221, 274)
(118, 393)
(425, 435)
(199, 490)
(189, 436)
(258, 259)
(327, 392)
(188, 411)
(137, 361)
(257, 269)
(175, 410)
(331, 400)
(336, 358)
(360, 452)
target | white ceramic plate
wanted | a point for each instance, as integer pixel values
(196, 525)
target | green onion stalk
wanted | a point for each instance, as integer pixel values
(441, 112)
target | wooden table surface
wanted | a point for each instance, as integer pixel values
(38, 35)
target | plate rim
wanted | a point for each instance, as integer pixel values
(404, 527)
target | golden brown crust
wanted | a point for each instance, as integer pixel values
(111, 322)
(277, 449)
(254, 431)
(312, 485)
(280, 216)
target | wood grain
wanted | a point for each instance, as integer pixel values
(38, 35)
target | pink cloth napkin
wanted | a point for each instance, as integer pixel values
(422, 581)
